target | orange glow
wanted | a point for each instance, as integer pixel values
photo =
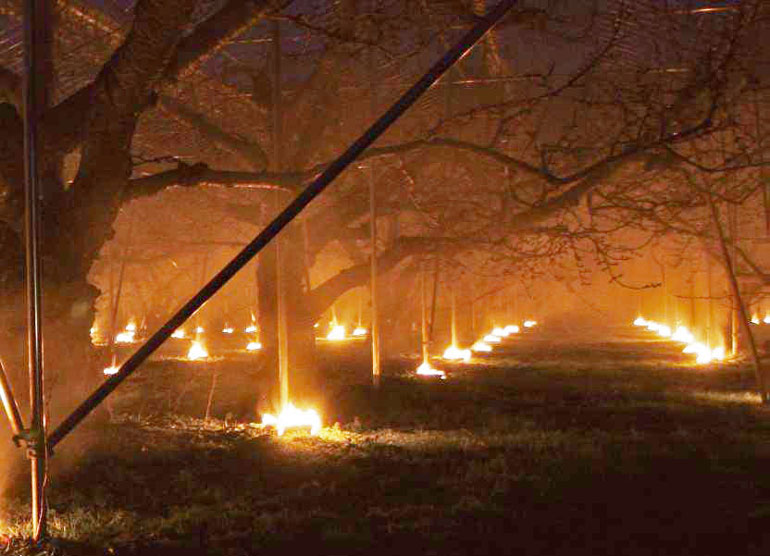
(293, 418)
(530, 323)
(228, 330)
(359, 331)
(512, 329)
(251, 328)
(253, 346)
(492, 339)
(199, 330)
(178, 333)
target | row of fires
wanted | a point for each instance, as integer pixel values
(292, 417)
(704, 353)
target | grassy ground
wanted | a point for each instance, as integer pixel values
(614, 447)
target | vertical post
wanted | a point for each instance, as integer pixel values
(693, 321)
(665, 292)
(373, 285)
(375, 332)
(432, 320)
(454, 316)
(732, 221)
(424, 305)
(710, 336)
(36, 47)
(473, 309)
(283, 331)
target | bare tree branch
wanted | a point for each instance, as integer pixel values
(251, 153)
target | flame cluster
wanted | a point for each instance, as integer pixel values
(453, 353)
(336, 333)
(127, 335)
(703, 353)
(291, 417)
(426, 370)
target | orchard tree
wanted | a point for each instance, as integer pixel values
(549, 138)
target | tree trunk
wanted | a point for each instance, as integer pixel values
(305, 384)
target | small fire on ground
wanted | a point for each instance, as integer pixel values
(426, 370)
(197, 351)
(293, 418)
(128, 335)
(336, 333)
(453, 353)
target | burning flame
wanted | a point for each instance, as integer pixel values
(336, 333)
(481, 346)
(754, 319)
(499, 332)
(492, 339)
(766, 320)
(512, 329)
(359, 331)
(640, 322)
(197, 351)
(253, 346)
(453, 353)
(178, 333)
(128, 335)
(530, 323)
(111, 370)
(228, 330)
(251, 328)
(199, 330)
(291, 417)
(125, 337)
(426, 370)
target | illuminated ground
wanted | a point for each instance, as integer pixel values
(613, 447)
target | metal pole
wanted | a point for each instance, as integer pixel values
(9, 403)
(435, 300)
(454, 316)
(373, 234)
(373, 283)
(424, 315)
(315, 188)
(280, 287)
(35, 38)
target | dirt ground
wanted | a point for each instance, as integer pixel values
(547, 446)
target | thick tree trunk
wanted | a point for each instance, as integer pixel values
(305, 384)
